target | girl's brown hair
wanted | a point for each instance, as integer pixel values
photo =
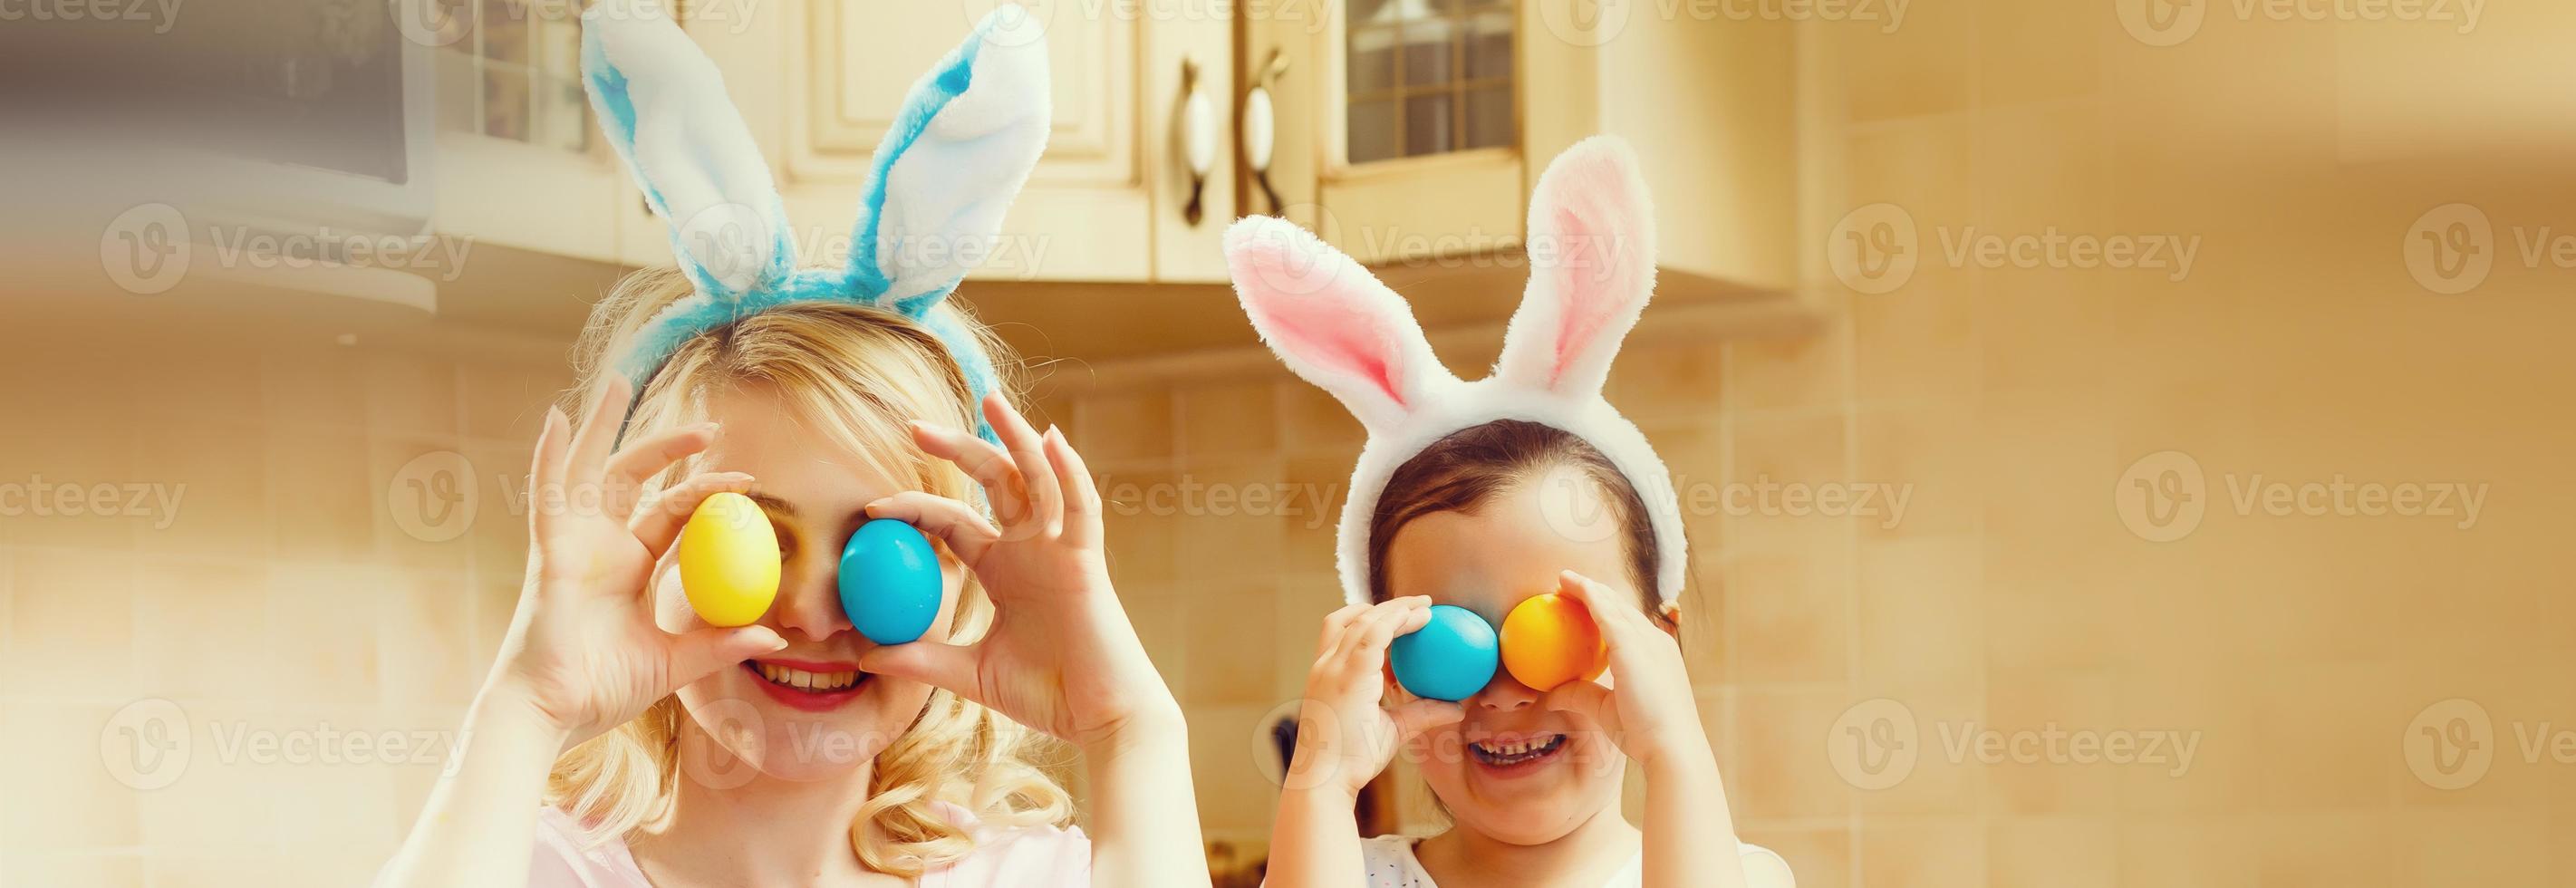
(1461, 471)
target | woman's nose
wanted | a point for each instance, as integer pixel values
(809, 598)
(1505, 694)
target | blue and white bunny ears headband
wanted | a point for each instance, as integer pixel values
(963, 144)
(1592, 263)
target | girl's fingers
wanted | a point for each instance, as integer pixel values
(1366, 641)
(658, 524)
(701, 652)
(988, 465)
(598, 434)
(1028, 451)
(1421, 714)
(1081, 494)
(545, 470)
(1334, 623)
(953, 522)
(1617, 621)
(949, 667)
(1583, 698)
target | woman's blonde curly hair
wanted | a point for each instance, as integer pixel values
(858, 374)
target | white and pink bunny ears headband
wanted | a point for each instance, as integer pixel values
(1592, 261)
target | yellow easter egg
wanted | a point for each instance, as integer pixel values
(729, 560)
(1549, 640)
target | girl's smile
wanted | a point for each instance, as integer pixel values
(808, 685)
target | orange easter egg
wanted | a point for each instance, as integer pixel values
(1549, 640)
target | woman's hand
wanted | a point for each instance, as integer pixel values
(1647, 709)
(1344, 735)
(583, 650)
(1061, 656)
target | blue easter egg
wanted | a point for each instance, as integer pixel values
(890, 585)
(1449, 658)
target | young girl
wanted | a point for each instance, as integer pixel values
(622, 741)
(1482, 495)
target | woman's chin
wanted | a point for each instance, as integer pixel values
(806, 737)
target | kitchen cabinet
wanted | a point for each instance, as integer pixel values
(1409, 131)
(818, 84)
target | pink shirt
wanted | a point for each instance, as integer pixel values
(1029, 857)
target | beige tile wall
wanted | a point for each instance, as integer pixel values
(2300, 653)
(277, 611)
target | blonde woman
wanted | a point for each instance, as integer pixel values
(622, 741)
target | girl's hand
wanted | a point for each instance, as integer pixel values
(1061, 656)
(1344, 736)
(582, 648)
(1647, 709)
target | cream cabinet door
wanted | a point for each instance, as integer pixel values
(1087, 211)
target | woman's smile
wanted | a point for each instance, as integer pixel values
(808, 685)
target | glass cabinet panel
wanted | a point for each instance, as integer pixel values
(512, 70)
(1428, 77)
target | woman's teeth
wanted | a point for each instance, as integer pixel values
(1518, 751)
(806, 681)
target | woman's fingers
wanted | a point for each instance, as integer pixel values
(546, 468)
(1081, 494)
(599, 428)
(638, 462)
(988, 465)
(701, 652)
(949, 667)
(953, 522)
(658, 524)
(1028, 452)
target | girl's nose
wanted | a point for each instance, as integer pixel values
(1505, 694)
(809, 598)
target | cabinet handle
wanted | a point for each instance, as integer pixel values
(1197, 135)
(1260, 135)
